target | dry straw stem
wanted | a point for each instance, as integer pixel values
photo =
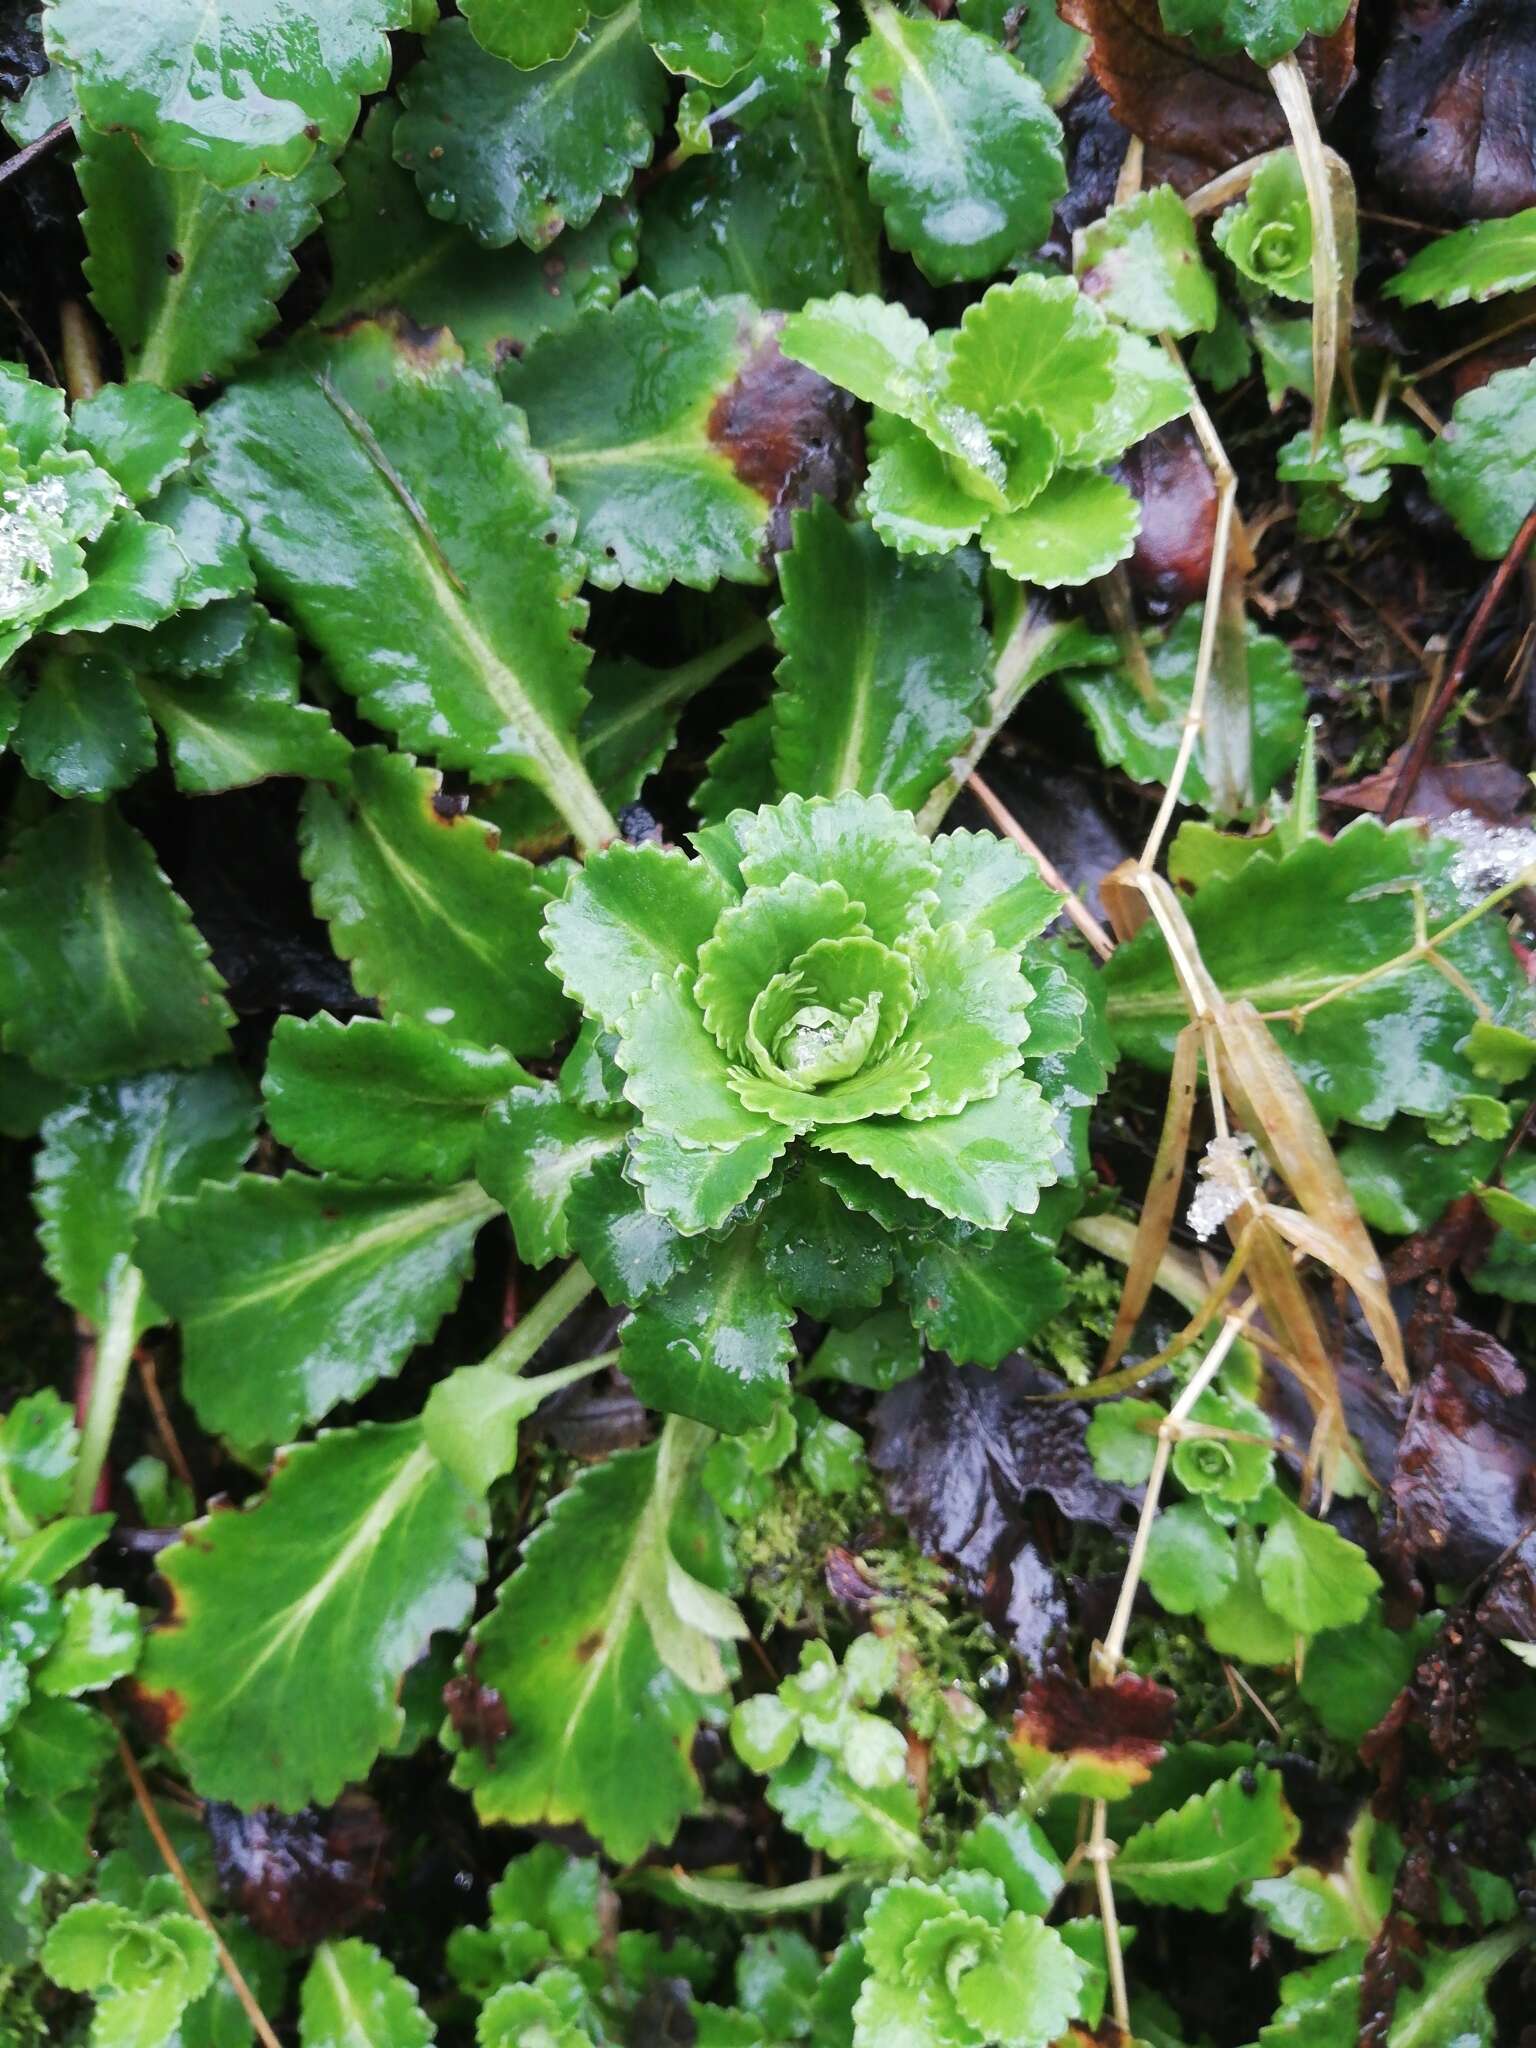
(1335, 243)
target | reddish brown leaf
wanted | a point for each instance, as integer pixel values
(1196, 114)
(964, 1452)
(789, 434)
(1172, 482)
(1455, 137)
(1119, 1728)
(300, 1877)
(1495, 791)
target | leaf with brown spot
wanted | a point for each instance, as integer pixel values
(1090, 1742)
(1196, 113)
(681, 436)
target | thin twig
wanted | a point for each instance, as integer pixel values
(1074, 906)
(1226, 508)
(1424, 735)
(34, 150)
(149, 1380)
(174, 1865)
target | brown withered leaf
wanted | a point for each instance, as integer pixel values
(1495, 791)
(1097, 1742)
(300, 1877)
(789, 435)
(1455, 137)
(1463, 1495)
(964, 1452)
(1197, 114)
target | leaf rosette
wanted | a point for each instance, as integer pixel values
(816, 1064)
(825, 979)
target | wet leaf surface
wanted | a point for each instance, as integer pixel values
(1454, 137)
(301, 1877)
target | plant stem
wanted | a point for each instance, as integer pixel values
(34, 150)
(173, 1864)
(114, 1358)
(1075, 908)
(1014, 672)
(543, 1319)
(567, 1375)
(81, 355)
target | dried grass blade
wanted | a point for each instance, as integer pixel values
(1162, 1196)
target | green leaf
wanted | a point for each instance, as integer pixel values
(1035, 345)
(706, 39)
(696, 1188)
(984, 1296)
(527, 33)
(1268, 237)
(1196, 1855)
(534, 1152)
(779, 213)
(396, 1101)
(1191, 1565)
(1233, 1469)
(1480, 468)
(299, 1293)
(113, 1154)
(634, 410)
(983, 1166)
(1402, 1181)
(713, 1342)
(823, 1805)
(99, 1643)
(1077, 528)
(83, 730)
(444, 596)
(295, 1620)
(139, 435)
(740, 771)
(187, 276)
(1267, 29)
(874, 851)
(352, 1998)
(990, 885)
(1122, 1442)
(230, 89)
(1242, 1625)
(1282, 933)
(101, 969)
(911, 494)
(245, 723)
(627, 1249)
(885, 671)
(630, 914)
(388, 252)
(1313, 1577)
(821, 1255)
(964, 154)
(871, 346)
(521, 155)
(436, 922)
(38, 1442)
(1143, 737)
(1026, 1990)
(600, 1726)
(1477, 263)
(1141, 262)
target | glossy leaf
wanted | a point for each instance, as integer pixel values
(1268, 237)
(964, 154)
(1476, 263)
(714, 1342)
(352, 1998)
(1143, 737)
(299, 1293)
(1142, 263)
(1077, 528)
(527, 33)
(641, 415)
(232, 90)
(632, 913)
(439, 598)
(387, 252)
(1480, 468)
(244, 723)
(706, 39)
(600, 1728)
(1281, 933)
(436, 921)
(301, 1614)
(395, 1101)
(1267, 29)
(534, 1152)
(1196, 1855)
(1313, 1577)
(83, 729)
(187, 275)
(885, 669)
(983, 1296)
(101, 970)
(517, 156)
(113, 1154)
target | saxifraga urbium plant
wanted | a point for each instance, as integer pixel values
(987, 1505)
